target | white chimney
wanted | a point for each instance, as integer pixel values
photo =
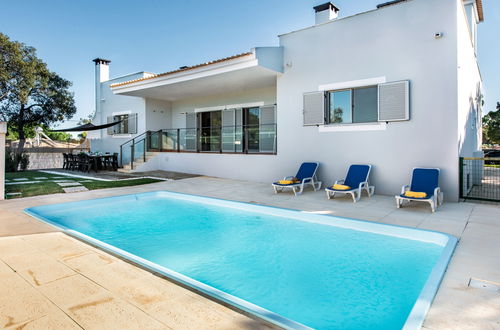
(326, 12)
(101, 75)
(101, 69)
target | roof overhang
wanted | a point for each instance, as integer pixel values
(256, 69)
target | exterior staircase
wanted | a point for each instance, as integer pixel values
(138, 162)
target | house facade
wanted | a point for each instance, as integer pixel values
(396, 87)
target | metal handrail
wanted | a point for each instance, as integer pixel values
(175, 133)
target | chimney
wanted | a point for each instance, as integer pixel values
(326, 13)
(101, 75)
(101, 69)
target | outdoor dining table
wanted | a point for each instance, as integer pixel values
(99, 161)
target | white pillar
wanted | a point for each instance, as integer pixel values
(3, 132)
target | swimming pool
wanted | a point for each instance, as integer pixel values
(292, 268)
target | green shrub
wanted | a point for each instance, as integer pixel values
(16, 162)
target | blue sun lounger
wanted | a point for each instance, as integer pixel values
(423, 180)
(357, 180)
(305, 175)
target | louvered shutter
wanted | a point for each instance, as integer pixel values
(191, 131)
(111, 130)
(394, 101)
(267, 131)
(228, 132)
(131, 124)
(238, 132)
(314, 108)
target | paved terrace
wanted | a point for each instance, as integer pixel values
(50, 280)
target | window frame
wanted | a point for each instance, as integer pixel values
(351, 90)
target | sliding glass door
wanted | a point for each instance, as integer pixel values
(210, 131)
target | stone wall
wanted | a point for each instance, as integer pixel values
(44, 160)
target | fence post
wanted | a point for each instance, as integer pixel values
(460, 177)
(178, 140)
(132, 156)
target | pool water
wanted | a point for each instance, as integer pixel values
(319, 272)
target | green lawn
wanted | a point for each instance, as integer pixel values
(46, 187)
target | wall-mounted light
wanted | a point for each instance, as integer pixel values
(438, 35)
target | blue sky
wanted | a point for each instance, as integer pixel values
(158, 36)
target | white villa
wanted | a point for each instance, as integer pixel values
(396, 87)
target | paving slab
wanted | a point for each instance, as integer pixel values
(68, 184)
(75, 189)
(20, 179)
(456, 306)
(22, 182)
(41, 178)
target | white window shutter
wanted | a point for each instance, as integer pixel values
(228, 117)
(268, 115)
(190, 143)
(394, 101)
(191, 120)
(132, 124)
(314, 108)
(111, 130)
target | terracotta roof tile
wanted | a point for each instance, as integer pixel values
(479, 4)
(182, 69)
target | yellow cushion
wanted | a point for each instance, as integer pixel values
(415, 194)
(340, 187)
(287, 181)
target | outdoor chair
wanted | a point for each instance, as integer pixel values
(424, 187)
(114, 161)
(355, 182)
(306, 175)
(72, 162)
(84, 163)
(65, 161)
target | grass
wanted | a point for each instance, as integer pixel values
(46, 187)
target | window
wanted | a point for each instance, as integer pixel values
(242, 130)
(355, 105)
(127, 125)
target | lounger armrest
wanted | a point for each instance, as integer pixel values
(340, 181)
(437, 190)
(405, 188)
(363, 184)
(304, 180)
(290, 177)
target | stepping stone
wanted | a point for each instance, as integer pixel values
(22, 182)
(63, 180)
(41, 178)
(20, 179)
(68, 184)
(14, 194)
(87, 181)
(75, 189)
(59, 177)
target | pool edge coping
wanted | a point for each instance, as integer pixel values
(414, 320)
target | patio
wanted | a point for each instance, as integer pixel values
(62, 282)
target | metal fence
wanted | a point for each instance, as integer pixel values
(480, 178)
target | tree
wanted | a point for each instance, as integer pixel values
(491, 126)
(30, 94)
(83, 121)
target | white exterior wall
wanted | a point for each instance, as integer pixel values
(469, 90)
(390, 44)
(110, 104)
(234, 166)
(158, 115)
(396, 42)
(179, 108)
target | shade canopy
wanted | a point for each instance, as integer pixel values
(86, 127)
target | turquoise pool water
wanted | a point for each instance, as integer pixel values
(324, 272)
